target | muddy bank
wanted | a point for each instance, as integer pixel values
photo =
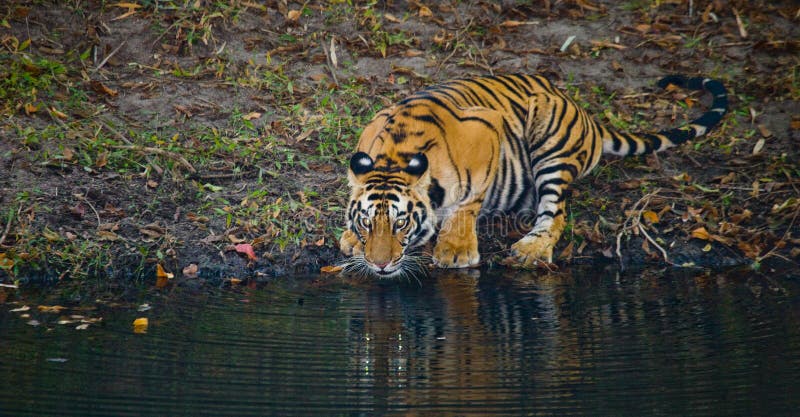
(167, 135)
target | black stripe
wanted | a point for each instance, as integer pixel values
(564, 166)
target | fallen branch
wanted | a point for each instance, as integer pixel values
(150, 150)
(103, 62)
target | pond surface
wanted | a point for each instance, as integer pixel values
(461, 344)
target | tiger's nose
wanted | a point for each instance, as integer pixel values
(381, 265)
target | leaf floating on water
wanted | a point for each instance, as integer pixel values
(20, 309)
(83, 326)
(246, 249)
(330, 269)
(51, 309)
(57, 360)
(140, 325)
(143, 307)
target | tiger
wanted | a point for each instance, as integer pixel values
(435, 161)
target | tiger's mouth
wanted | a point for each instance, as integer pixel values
(386, 270)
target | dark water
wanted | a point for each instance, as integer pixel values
(572, 343)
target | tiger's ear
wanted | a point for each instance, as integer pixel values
(418, 167)
(360, 164)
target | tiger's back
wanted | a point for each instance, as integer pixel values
(508, 143)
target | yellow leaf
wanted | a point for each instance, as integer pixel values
(140, 325)
(30, 109)
(707, 248)
(701, 233)
(162, 276)
(424, 11)
(650, 216)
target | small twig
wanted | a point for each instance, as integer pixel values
(116, 133)
(177, 22)
(634, 222)
(330, 60)
(771, 251)
(103, 62)
(651, 240)
(7, 229)
(85, 200)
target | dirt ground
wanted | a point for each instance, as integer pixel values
(146, 136)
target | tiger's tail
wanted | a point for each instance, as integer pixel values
(620, 143)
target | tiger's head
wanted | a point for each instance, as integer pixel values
(389, 213)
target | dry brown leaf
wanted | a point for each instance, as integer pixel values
(758, 146)
(795, 123)
(190, 271)
(55, 112)
(764, 131)
(606, 44)
(293, 15)
(101, 88)
(252, 115)
(247, 249)
(516, 23)
(701, 233)
(107, 235)
(650, 216)
(330, 269)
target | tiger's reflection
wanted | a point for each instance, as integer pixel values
(459, 342)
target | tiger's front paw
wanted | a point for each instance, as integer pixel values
(533, 249)
(458, 252)
(349, 244)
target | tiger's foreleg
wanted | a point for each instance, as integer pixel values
(551, 181)
(457, 245)
(349, 244)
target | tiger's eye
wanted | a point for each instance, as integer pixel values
(400, 223)
(365, 222)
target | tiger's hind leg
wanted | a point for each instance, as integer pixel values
(551, 182)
